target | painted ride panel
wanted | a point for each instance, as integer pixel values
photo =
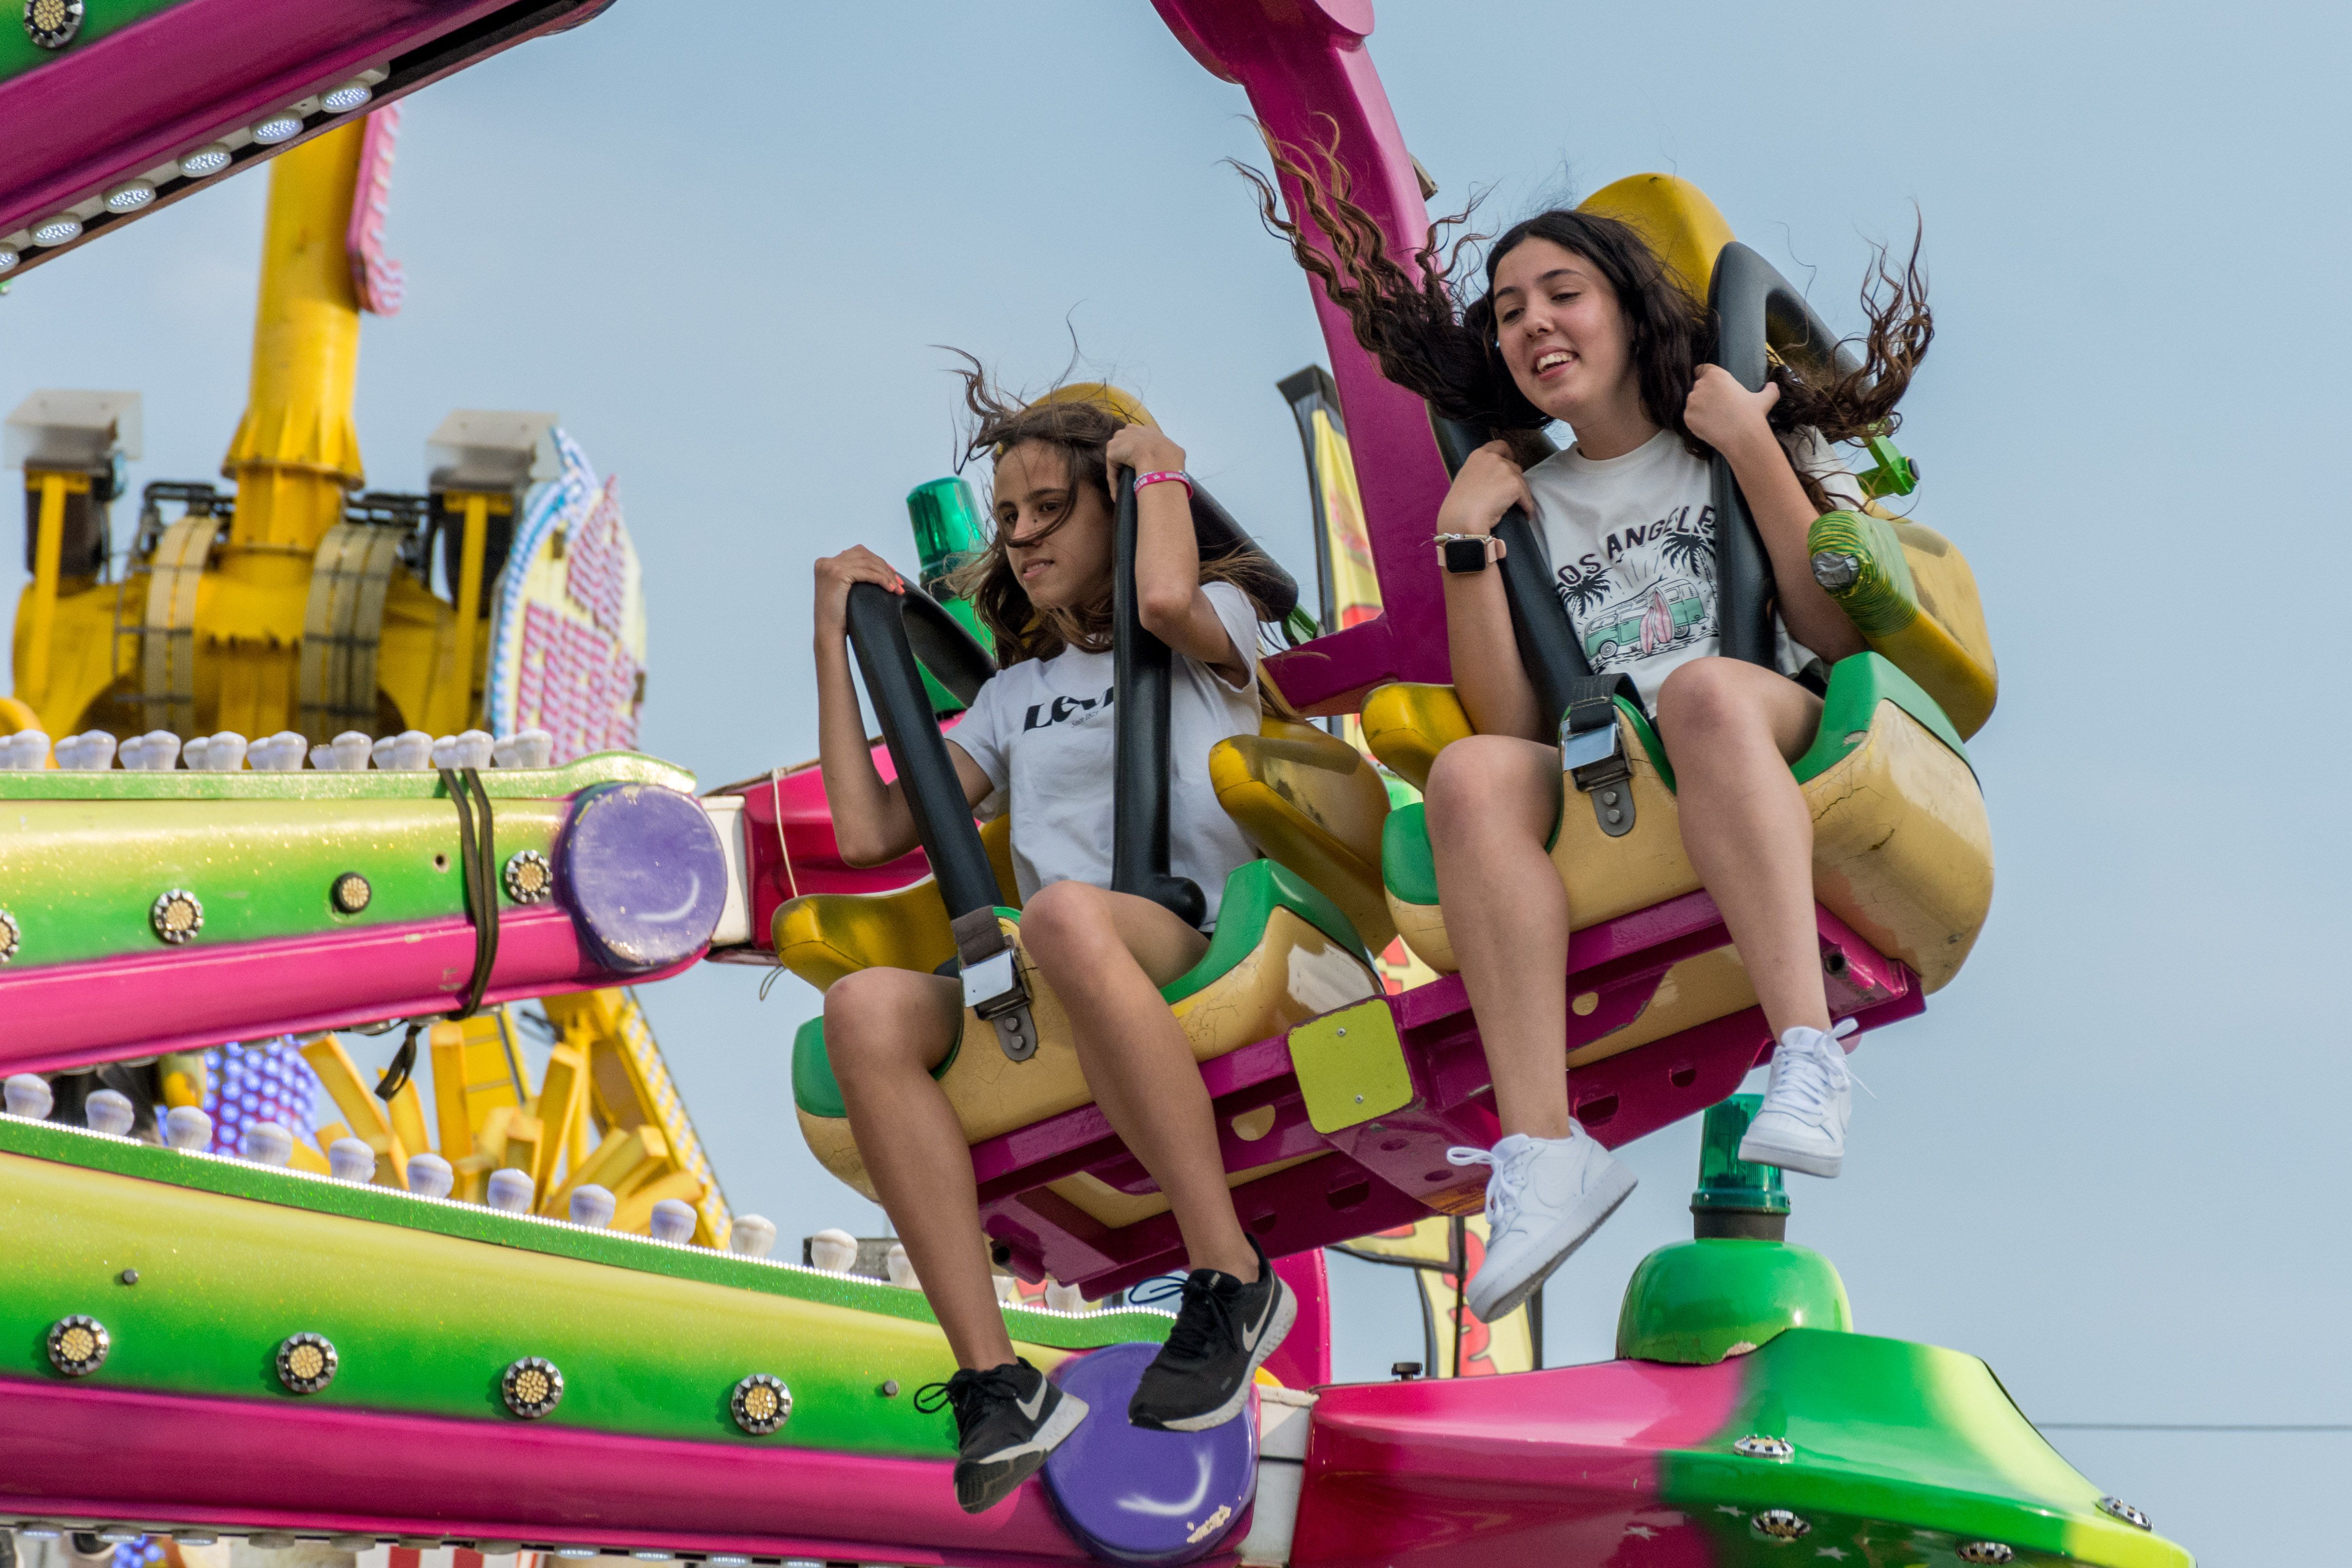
(167, 97)
(624, 875)
(428, 1305)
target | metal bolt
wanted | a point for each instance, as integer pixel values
(2119, 1509)
(1609, 798)
(1343, 1033)
(1616, 816)
(129, 1276)
(1781, 1525)
(1834, 570)
(1359, 1099)
(889, 1388)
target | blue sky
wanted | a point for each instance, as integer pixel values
(720, 241)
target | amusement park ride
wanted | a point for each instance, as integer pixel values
(523, 1318)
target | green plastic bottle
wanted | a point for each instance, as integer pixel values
(946, 518)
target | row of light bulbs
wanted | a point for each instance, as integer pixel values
(209, 159)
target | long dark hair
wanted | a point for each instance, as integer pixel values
(1430, 343)
(1076, 421)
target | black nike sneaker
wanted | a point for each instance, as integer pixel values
(1223, 1332)
(1008, 1418)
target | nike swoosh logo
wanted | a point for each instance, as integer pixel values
(1264, 1318)
(1033, 1403)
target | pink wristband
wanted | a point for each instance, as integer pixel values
(1168, 474)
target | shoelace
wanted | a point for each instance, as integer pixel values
(1502, 1188)
(1809, 1077)
(968, 1392)
(1204, 1323)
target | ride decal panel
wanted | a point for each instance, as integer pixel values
(568, 653)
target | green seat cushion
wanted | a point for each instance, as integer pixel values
(1857, 686)
(1407, 866)
(814, 1088)
(1253, 893)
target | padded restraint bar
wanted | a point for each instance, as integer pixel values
(878, 635)
(1549, 647)
(880, 622)
(953, 655)
(1142, 668)
(1757, 313)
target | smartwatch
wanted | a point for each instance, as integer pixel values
(1468, 554)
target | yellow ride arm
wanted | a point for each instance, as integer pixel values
(1407, 723)
(1912, 596)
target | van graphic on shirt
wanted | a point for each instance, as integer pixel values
(1667, 614)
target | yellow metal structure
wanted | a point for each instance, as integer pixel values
(242, 628)
(284, 615)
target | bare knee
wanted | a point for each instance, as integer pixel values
(1484, 783)
(1706, 696)
(1068, 920)
(881, 1020)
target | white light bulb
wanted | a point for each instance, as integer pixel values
(349, 1160)
(56, 230)
(187, 1127)
(209, 159)
(131, 197)
(277, 128)
(346, 98)
(8, 260)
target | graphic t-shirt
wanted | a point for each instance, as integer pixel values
(1631, 543)
(1043, 730)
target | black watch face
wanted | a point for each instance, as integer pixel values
(1465, 555)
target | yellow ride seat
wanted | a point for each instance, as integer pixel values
(1902, 849)
(1281, 953)
(1906, 589)
(1313, 804)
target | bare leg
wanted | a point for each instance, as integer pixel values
(1731, 729)
(886, 1029)
(1106, 955)
(1492, 801)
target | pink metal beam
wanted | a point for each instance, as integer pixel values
(120, 105)
(71, 1014)
(106, 1454)
(1304, 66)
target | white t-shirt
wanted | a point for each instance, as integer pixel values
(1044, 730)
(1630, 542)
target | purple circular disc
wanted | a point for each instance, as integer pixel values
(1134, 1494)
(643, 872)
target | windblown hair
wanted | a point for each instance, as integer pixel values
(1079, 429)
(1413, 316)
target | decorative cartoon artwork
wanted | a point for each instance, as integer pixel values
(567, 651)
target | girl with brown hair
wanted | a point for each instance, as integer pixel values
(1580, 321)
(1041, 731)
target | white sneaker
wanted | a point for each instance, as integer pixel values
(1802, 1124)
(1547, 1195)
